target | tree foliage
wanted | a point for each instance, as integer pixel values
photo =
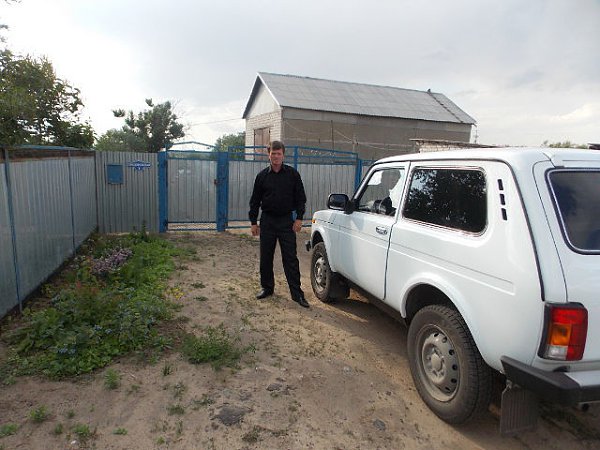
(565, 144)
(37, 107)
(146, 131)
(231, 140)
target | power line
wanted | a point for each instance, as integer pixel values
(215, 121)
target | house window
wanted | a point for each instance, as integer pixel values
(262, 137)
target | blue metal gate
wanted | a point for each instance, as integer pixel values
(210, 190)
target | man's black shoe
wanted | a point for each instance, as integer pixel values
(302, 301)
(264, 294)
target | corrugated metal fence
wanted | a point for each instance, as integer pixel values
(47, 209)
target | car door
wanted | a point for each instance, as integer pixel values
(364, 235)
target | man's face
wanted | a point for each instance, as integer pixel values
(276, 157)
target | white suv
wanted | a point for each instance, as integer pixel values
(492, 257)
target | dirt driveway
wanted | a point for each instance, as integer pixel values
(331, 377)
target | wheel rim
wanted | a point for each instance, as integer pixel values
(438, 364)
(320, 274)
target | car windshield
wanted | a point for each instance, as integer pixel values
(576, 195)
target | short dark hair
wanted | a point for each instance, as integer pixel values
(276, 145)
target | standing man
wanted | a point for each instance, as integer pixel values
(278, 191)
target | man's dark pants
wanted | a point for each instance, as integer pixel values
(273, 229)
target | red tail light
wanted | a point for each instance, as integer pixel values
(566, 332)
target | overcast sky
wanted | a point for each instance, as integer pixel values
(526, 70)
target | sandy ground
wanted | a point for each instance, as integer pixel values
(334, 376)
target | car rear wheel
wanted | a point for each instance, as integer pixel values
(447, 369)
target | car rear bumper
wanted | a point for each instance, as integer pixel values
(564, 388)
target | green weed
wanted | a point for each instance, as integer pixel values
(176, 410)
(70, 414)
(8, 429)
(198, 285)
(167, 369)
(112, 379)
(82, 431)
(120, 431)
(39, 415)
(58, 429)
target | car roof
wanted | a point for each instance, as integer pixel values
(514, 156)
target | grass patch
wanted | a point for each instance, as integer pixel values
(8, 429)
(39, 415)
(108, 302)
(58, 429)
(82, 431)
(215, 346)
(120, 431)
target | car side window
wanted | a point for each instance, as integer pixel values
(452, 198)
(382, 192)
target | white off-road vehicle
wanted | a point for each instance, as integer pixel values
(492, 257)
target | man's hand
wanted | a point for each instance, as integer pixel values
(255, 230)
(297, 226)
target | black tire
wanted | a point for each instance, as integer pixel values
(447, 368)
(326, 285)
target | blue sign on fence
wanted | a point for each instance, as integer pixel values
(139, 165)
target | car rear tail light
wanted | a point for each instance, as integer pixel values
(566, 332)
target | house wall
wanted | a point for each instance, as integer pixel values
(371, 137)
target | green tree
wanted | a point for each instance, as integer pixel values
(120, 141)
(156, 128)
(565, 144)
(223, 143)
(37, 107)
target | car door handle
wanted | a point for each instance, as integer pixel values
(381, 230)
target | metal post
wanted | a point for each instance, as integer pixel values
(296, 157)
(358, 173)
(13, 233)
(162, 159)
(71, 198)
(222, 190)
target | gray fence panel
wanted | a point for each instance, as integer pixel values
(241, 182)
(320, 180)
(191, 190)
(8, 284)
(42, 216)
(84, 197)
(134, 203)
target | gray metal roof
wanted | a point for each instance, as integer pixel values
(293, 91)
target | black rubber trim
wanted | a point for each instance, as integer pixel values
(555, 387)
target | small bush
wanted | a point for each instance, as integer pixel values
(39, 415)
(215, 346)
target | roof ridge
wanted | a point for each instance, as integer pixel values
(344, 82)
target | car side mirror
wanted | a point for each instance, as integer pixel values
(337, 202)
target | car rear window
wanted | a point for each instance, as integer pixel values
(577, 198)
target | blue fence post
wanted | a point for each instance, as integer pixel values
(162, 191)
(222, 190)
(296, 157)
(13, 233)
(358, 173)
(71, 198)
